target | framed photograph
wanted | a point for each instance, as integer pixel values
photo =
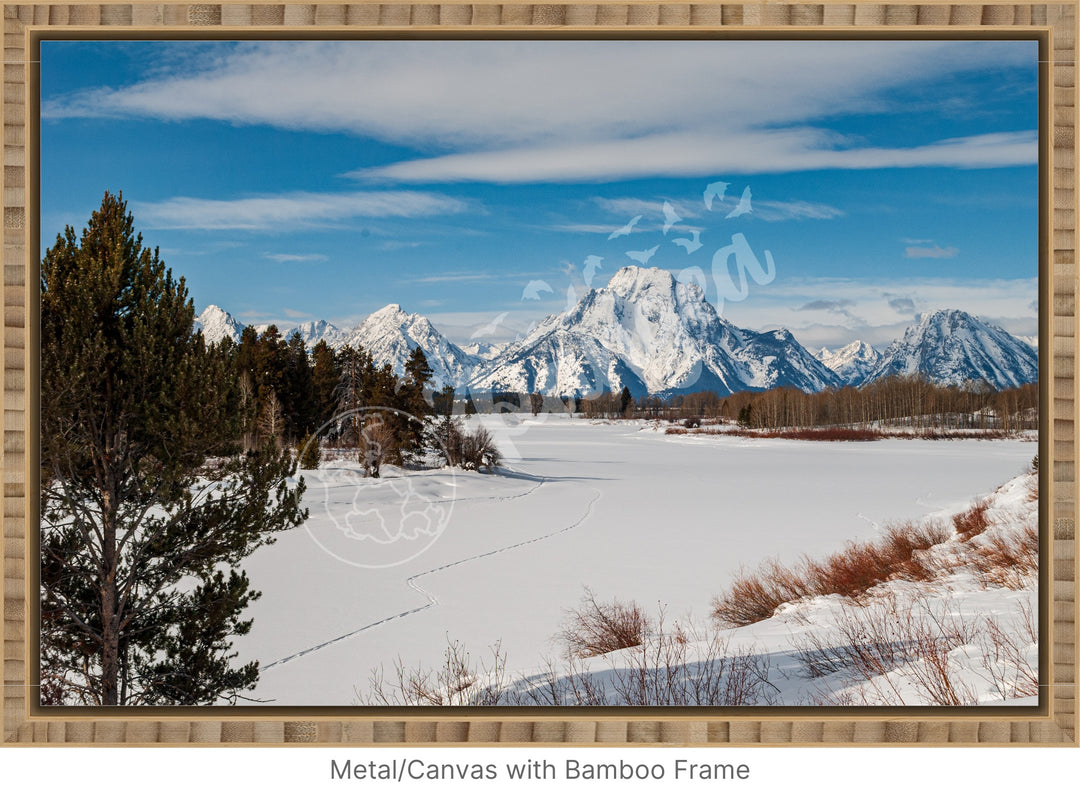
(531, 374)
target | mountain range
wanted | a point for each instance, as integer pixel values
(650, 333)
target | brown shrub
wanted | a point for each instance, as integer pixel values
(597, 627)
(850, 572)
(756, 596)
(973, 520)
(1007, 558)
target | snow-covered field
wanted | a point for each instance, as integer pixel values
(616, 507)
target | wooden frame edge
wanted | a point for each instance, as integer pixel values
(1056, 719)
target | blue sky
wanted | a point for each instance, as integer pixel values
(475, 182)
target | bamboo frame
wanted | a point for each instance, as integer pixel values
(1053, 722)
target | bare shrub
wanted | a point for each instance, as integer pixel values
(888, 645)
(457, 682)
(1007, 557)
(378, 445)
(478, 450)
(756, 596)
(681, 666)
(973, 520)
(1006, 655)
(471, 451)
(903, 553)
(907, 546)
(829, 434)
(677, 665)
(851, 572)
(597, 627)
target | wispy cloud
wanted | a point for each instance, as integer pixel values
(932, 252)
(454, 278)
(291, 210)
(641, 113)
(825, 306)
(902, 306)
(832, 312)
(840, 306)
(775, 211)
(296, 257)
(695, 153)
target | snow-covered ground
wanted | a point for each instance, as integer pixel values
(616, 507)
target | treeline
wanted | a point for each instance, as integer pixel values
(906, 401)
(341, 399)
(289, 394)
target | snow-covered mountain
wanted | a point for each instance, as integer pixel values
(950, 347)
(483, 350)
(313, 331)
(648, 332)
(852, 363)
(655, 335)
(216, 325)
(391, 333)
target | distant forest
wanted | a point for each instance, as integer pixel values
(908, 401)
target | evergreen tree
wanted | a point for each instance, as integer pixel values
(298, 391)
(146, 506)
(412, 400)
(626, 402)
(310, 452)
(325, 375)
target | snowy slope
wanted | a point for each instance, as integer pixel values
(391, 333)
(852, 363)
(632, 514)
(951, 347)
(648, 332)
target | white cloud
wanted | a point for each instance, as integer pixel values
(808, 307)
(565, 110)
(695, 153)
(932, 252)
(291, 210)
(296, 257)
(774, 211)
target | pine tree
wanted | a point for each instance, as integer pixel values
(298, 391)
(325, 375)
(146, 506)
(411, 399)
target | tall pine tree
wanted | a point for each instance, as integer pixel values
(147, 507)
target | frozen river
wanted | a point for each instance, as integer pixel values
(628, 512)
